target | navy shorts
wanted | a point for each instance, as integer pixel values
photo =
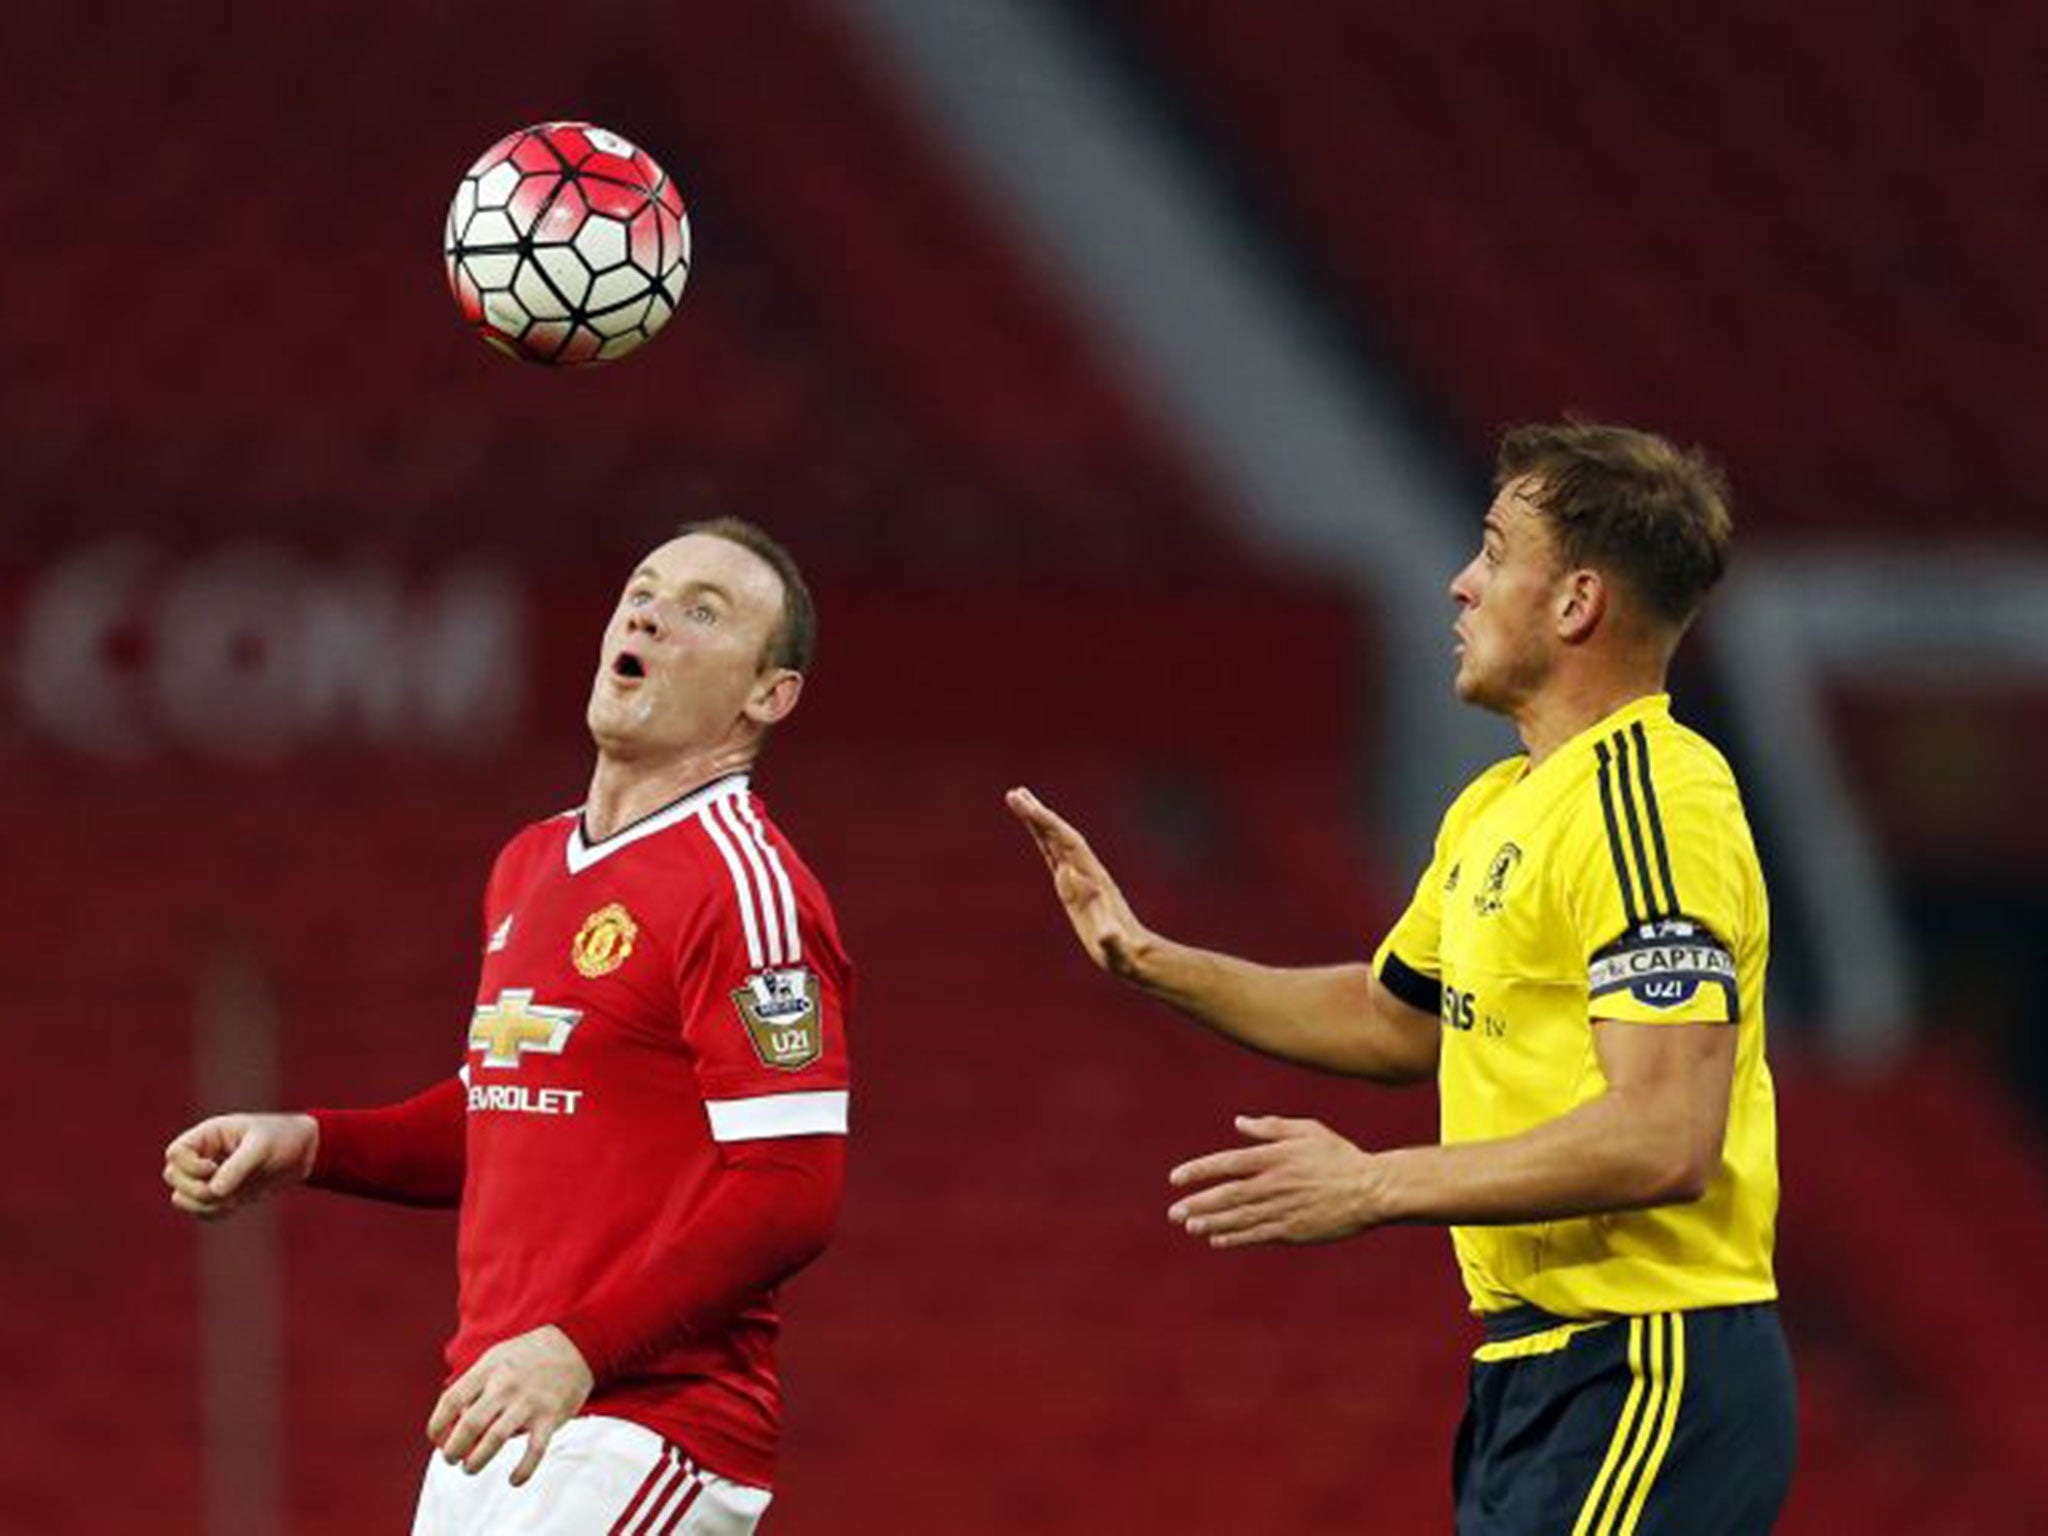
(1674, 1424)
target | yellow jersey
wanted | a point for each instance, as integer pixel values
(1616, 880)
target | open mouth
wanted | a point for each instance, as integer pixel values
(627, 665)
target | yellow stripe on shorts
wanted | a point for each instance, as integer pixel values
(1646, 1426)
(1625, 1431)
(1668, 1421)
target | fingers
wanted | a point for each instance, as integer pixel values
(1237, 1162)
(1027, 807)
(1275, 1230)
(471, 1434)
(189, 1182)
(1234, 1224)
(189, 1160)
(530, 1385)
(191, 1139)
(187, 1172)
(488, 1427)
(248, 1155)
(1276, 1127)
(1054, 834)
(1239, 1213)
(454, 1400)
(205, 1208)
(1222, 1197)
(536, 1447)
(210, 1140)
(471, 1424)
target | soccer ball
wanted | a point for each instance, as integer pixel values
(566, 245)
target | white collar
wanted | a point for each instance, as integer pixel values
(582, 854)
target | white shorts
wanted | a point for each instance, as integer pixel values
(600, 1477)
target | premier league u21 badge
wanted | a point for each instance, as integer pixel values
(604, 941)
(780, 1010)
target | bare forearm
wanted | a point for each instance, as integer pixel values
(1607, 1155)
(1322, 1016)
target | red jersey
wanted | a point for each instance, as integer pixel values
(644, 999)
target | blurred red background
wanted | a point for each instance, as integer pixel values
(299, 586)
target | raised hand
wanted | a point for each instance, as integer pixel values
(225, 1163)
(1103, 921)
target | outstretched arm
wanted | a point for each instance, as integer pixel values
(1335, 1018)
(410, 1153)
(1653, 1138)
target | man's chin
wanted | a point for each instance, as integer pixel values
(611, 730)
(1471, 688)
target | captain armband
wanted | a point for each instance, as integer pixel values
(1663, 965)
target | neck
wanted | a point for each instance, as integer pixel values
(1570, 704)
(622, 790)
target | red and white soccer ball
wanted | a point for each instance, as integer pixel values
(566, 245)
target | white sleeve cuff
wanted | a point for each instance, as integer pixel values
(778, 1114)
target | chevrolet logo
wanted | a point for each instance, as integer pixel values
(515, 1023)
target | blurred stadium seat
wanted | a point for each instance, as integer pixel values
(1806, 242)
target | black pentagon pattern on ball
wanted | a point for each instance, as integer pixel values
(550, 295)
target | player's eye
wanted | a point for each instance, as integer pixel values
(640, 597)
(703, 613)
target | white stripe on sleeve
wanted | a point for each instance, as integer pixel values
(822, 1113)
(782, 886)
(741, 888)
(771, 919)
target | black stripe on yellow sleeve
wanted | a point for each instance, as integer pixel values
(1410, 986)
(1652, 908)
(1628, 895)
(1656, 816)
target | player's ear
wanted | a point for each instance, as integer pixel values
(1581, 605)
(774, 695)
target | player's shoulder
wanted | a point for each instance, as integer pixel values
(776, 835)
(544, 836)
(1686, 771)
(732, 830)
(1644, 752)
(781, 870)
(769, 893)
(1649, 790)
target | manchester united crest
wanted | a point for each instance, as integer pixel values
(604, 942)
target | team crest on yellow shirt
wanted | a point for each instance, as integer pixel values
(1492, 895)
(604, 942)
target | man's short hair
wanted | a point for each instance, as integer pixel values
(795, 638)
(1629, 504)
